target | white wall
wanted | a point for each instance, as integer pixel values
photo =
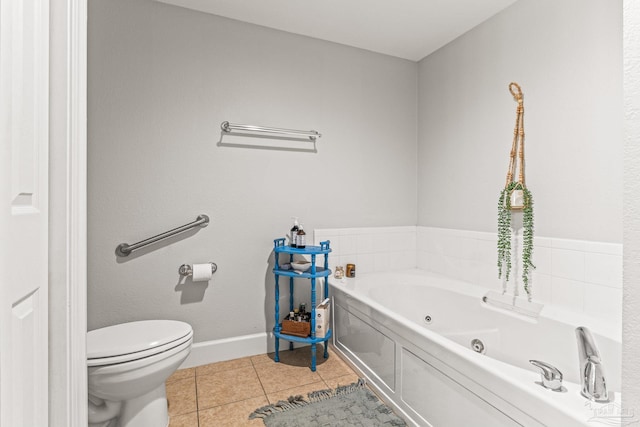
(631, 304)
(567, 56)
(161, 80)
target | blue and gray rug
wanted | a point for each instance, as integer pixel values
(351, 405)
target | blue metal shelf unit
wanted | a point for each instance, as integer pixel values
(312, 274)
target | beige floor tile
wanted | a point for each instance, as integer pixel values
(262, 358)
(333, 367)
(280, 376)
(182, 374)
(233, 414)
(225, 393)
(300, 356)
(228, 386)
(181, 396)
(302, 390)
(185, 420)
(343, 380)
(212, 368)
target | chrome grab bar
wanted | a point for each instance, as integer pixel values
(125, 249)
(311, 134)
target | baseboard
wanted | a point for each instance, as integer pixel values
(206, 352)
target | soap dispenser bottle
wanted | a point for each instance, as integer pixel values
(294, 233)
(302, 237)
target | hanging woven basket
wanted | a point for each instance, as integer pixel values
(516, 199)
(515, 196)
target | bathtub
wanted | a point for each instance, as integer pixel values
(410, 333)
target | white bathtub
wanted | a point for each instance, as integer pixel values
(428, 371)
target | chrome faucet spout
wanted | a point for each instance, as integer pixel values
(592, 377)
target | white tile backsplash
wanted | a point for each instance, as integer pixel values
(603, 269)
(577, 275)
(542, 259)
(541, 285)
(567, 263)
(567, 293)
(371, 249)
(364, 244)
(348, 244)
(603, 302)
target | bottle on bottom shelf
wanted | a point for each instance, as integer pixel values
(298, 326)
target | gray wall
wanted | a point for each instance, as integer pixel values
(567, 56)
(161, 80)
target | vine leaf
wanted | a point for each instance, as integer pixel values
(505, 232)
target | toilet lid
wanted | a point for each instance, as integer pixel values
(134, 337)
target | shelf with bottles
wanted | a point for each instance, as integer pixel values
(312, 273)
(280, 246)
(298, 329)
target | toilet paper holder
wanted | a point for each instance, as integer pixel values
(186, 270)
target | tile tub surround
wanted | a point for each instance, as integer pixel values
(371, 249)
(225, 393)
(581, 276)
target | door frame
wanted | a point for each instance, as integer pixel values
(68, 213)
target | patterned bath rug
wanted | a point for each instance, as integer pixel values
(351, 405)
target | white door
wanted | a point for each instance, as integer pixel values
(24, 134)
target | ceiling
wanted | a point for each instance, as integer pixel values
(409, 29)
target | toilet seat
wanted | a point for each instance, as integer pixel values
(135, 340)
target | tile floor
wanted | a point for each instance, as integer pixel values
(225, 393)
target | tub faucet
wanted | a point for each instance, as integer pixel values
(592, 378)
(551, 377)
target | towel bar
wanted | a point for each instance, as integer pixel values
(311, 134)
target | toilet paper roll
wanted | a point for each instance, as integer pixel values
(201, 272)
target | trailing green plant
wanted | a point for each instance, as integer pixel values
(527, 239)
(505, 232)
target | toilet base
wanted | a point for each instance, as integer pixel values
(147, 410)
(150, 409)
(130, 387)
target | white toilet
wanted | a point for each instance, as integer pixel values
(128, 365)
